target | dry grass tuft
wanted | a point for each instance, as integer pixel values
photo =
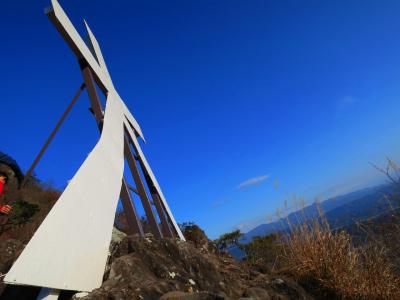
(313, 253)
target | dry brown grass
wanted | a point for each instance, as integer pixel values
(313, 253)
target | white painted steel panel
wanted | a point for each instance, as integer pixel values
(70, 248)
(79, 44)
(131, 120)
(98, 54)
(131, 123)
(98, 66)
(155, 182)
(97, 50)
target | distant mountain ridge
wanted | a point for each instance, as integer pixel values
(339, 211)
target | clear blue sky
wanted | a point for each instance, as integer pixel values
(299, 94)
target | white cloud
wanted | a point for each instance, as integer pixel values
(252, 181)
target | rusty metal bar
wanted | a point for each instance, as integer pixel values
(166, 229)
(127, 203)
(133, 189)
(165, 226)
(142, 191)
(52, 134)
(92, 92)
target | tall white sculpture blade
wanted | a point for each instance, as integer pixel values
(131, 123)
(99, 55)
(74, 40)
(70, 248)
(97, 52)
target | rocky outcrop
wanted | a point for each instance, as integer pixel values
(146, 268)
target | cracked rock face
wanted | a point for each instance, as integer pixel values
(169, 269)
(147, 268)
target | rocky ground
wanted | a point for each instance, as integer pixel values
(144, 267)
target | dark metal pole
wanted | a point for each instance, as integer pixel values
(129, 210)
(133, 189)
(92, 92)
(142, 191)
(52, 134)
(166, 228)
(164, 222)
(165, 225)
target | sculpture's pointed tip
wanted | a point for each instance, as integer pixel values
(87, 27)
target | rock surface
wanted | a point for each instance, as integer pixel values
(147, 268)
(169, 269)
(256, 293)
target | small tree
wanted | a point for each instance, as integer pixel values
(229, 239)
(195, 234)
(22, 211)
(262, 251)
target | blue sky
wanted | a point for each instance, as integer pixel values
(243, 103)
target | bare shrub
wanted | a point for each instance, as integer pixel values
(315, 254)
(31, 205)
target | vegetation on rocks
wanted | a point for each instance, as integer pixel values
(330, 263)
(263, 252)
(30, 206)
(309, 261)
(229, 239)
(22, 211)
(144, 267)
(361, 261)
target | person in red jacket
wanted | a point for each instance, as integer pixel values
(4, 209)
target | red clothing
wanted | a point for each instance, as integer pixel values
(4, 209)
(1, 188)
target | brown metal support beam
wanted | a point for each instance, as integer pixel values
(166, 229)
(127, 203)
(93, 95)
(165, 226)
(133, 189)
(52, 134)
(142, 191)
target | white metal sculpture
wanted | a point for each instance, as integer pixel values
(69, 250)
